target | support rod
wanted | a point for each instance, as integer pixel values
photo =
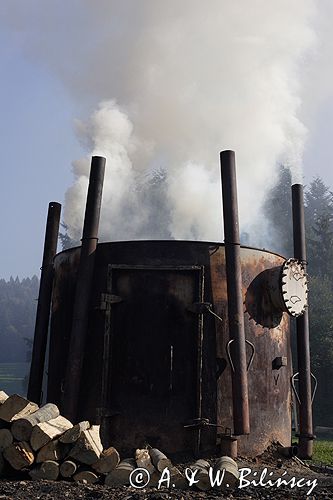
(44, 303)
(83, 289)
(302, 327)
(235, 297)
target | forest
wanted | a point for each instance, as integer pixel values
(18, 298)
(18, 303)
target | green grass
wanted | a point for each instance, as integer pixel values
(323, 452)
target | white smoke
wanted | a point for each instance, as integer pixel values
(177, 82)
(109, 133)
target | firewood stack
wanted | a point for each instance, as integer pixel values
(48, 446)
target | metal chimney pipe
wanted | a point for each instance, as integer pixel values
(83, 288)
(235, 297)
(302, 327)
(44, 303)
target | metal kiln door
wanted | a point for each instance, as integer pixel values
(152, 357)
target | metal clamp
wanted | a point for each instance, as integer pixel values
(251, 357)
(294, 379)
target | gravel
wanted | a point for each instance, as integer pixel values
(26, 489)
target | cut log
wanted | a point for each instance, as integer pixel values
(155, 476)
(46, 431)
(19, 455)
(120, 475)
(3, 397)
(108, 461)
(68, 468)
(178, 479)
(159, 460)
(202, 476)
(15, 407)
(22, 427)
(6, 439)
(52, 451)
(230, 468)
(143, 459)
(88, 447)
(47, 470)
(86, 476)
(73, 434)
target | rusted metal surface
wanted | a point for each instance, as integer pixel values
(269, 389)
(65, 276)
(83, 288)
(44, 304)
(241, 416)
(302, 328)
(158, 282)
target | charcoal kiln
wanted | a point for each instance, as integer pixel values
(182, 345)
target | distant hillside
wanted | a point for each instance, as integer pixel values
(17, 317)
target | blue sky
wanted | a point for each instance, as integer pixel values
(37, 146)
(38, 142)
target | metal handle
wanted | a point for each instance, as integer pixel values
(251, 357)
(210, 310)
(294, 379)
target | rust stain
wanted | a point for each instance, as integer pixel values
(166, 298)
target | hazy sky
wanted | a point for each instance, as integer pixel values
(50, 77)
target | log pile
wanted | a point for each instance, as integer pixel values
(45, 445)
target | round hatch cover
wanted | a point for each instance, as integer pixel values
(294, 287)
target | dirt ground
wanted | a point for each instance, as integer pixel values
(26, 489)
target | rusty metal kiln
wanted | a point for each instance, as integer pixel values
(176, 344)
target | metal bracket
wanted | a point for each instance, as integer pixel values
(199, 307)
(108, 299)
(203, 307)
(200, 423)
(229, 354)
(295, 379)
(227, 434)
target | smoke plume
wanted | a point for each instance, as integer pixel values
(174, 83)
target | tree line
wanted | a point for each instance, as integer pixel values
(18, 304)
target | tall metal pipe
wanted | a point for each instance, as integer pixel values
(240, 398)
(44, 303)
(302, 327)
(83, 288)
